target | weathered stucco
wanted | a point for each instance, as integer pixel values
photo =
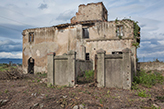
(91, 11)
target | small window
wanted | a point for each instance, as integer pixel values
(117, 52)
(87, 56)
(85, 33)
(31, 37)
(119, 31)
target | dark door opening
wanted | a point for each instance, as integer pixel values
(31, 65)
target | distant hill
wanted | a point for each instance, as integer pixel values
(13, 60)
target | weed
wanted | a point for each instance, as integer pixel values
(6, 91)
(142, 93)
(61, 87)
(134, 86)
(83, 104)
(137, 45)
(89, 75)
(101, 101)
(160, 97)
(148, 80)
(120, 37)
(116, 20)
(108, 92)
(38, 80)
(153, 107)
(42, 74)
(33, 81)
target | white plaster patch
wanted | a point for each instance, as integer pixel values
(37, 52)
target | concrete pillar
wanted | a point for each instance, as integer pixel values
(101, 68)
(134, 51)
(127, 73)
(71, 68)
(83, 52)
(50, 68)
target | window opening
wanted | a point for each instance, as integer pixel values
(85, 33)
(87, 56)
(31, 37)
(119, 31)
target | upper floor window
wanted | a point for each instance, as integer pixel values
(85, 33)
(119, 30)
(31, 37)
(87, 56)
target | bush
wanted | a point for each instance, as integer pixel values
(148, 80)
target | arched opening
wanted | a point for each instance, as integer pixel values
(31, 65)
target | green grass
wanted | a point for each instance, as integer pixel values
(42, 74)
(147, 79)
(142, 93)
(89, 75)
(5, 67)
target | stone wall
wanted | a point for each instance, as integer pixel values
(114, 70)
(64, 69)
(147, 66)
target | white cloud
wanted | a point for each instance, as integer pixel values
(25, 14)
(10, 55)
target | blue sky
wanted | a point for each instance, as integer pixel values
(17, 15)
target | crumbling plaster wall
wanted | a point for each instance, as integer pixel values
(48, 40)
(52, 39)
(103, 35)
(93, 11)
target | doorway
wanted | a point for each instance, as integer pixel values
(31, 65)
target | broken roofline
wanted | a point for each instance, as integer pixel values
(88, 22)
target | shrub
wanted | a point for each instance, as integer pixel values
(148, 80)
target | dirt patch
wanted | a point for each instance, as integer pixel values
(12, 74)
(32, 92)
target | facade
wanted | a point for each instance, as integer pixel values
(88, 31)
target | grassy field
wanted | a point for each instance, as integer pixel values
(5, 67)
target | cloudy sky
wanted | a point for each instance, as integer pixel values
(17, 15)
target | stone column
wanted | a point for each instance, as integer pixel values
(127, 73)
(101, 68)
(50, 68)
(71, 68)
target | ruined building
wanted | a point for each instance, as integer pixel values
(88, 31)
